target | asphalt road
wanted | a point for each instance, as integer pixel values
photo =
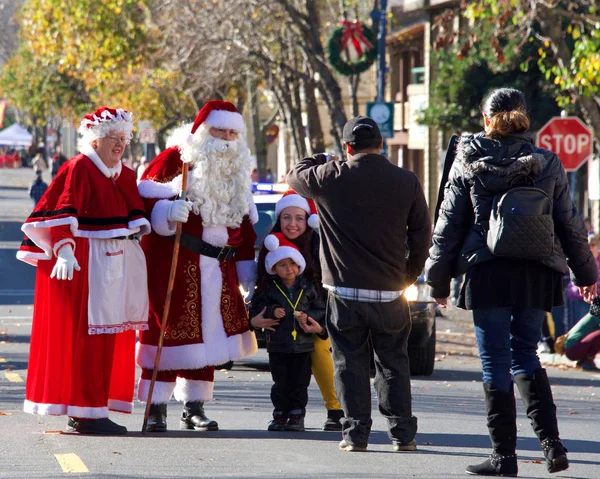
(449, 405)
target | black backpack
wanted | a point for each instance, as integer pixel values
(521, 224)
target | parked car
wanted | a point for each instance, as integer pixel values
(421, 342)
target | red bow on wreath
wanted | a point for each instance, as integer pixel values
(353, 31)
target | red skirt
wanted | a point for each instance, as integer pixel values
(71, 372)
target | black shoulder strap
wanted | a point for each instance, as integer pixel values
(448, 161)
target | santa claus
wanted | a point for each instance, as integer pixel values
(207, 322)
(83, 238)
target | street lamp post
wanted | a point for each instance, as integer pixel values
(381, 69)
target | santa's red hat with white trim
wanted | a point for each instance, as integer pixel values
(281, 248)
(291, 198)
(219, 114)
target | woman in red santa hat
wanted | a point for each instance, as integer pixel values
(207, 323)
(82, 236)
(297, 220)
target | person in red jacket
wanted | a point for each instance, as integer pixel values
(207, 323)
(82, 236)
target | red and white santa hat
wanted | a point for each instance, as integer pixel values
(105, 115)
(291, 198)
(281, 248)
(219, 114)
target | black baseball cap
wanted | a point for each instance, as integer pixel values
(361, 130)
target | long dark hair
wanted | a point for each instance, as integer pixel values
(506, 111)
(306, 244)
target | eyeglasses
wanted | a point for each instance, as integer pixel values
(116, 140)
(223, 131)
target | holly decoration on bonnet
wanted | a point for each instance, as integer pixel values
(363, 41)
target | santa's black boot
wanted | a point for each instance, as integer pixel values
(541, 410)
(193, 417)
(157, 420)
(502, 425)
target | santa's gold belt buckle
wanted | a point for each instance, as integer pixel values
(226, 253)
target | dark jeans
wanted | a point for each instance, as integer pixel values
(507, 340)
(350, 324)
(291, 377)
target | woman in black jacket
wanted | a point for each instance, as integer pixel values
(509, 293)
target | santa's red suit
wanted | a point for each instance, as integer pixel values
(81, 360)
(207, 323)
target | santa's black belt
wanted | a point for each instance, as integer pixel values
(198, 245)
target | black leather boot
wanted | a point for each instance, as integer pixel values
(541, 410)
(333, 420)
(278, 422)
(101, 427)
(193, 417)
(157, 421)
(295, 421)
(501, 412)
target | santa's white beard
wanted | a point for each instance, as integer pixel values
(219, 186)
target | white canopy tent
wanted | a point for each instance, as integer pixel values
(16, 136)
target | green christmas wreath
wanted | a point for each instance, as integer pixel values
(364, 41)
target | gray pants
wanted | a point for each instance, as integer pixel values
(350, 323)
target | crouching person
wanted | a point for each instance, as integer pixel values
(291, 311)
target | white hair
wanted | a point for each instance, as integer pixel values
(219, 185)
(88, 135)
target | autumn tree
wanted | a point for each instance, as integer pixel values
(561, 39)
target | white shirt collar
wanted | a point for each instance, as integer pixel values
(106, 171)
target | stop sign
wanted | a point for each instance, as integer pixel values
(569, 138)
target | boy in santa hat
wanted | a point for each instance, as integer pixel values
(90, 293)
(298, 312)
(207, 323)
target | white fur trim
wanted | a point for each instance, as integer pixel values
(292, 200)
(142, 224)
(197, 356)
(120, 406)
(192, 390)
(313, 221)
(31, 258)
(225, 119)
(161, 393)
(281, 253)
(44, 409)
(39, 233)
(62, 410)
(215, 235)
(160, 224)
(252, 210)
(106, 171)
(61, 243)
(247, 270)
(153, 189)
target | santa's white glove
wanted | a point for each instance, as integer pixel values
(65, 264)
(248, 286)
(179, 211)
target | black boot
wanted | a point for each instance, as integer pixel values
(541, 410)
(295, 421)
(502, 425)
(278, 422)
(193, 417)
(157, 421)
(102, 427)
(333, 420)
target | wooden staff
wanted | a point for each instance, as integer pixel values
(174, 258)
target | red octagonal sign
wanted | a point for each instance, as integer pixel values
(569, 138)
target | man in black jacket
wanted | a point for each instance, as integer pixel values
(375, 231)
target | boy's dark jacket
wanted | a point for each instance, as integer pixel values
(311, 303)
